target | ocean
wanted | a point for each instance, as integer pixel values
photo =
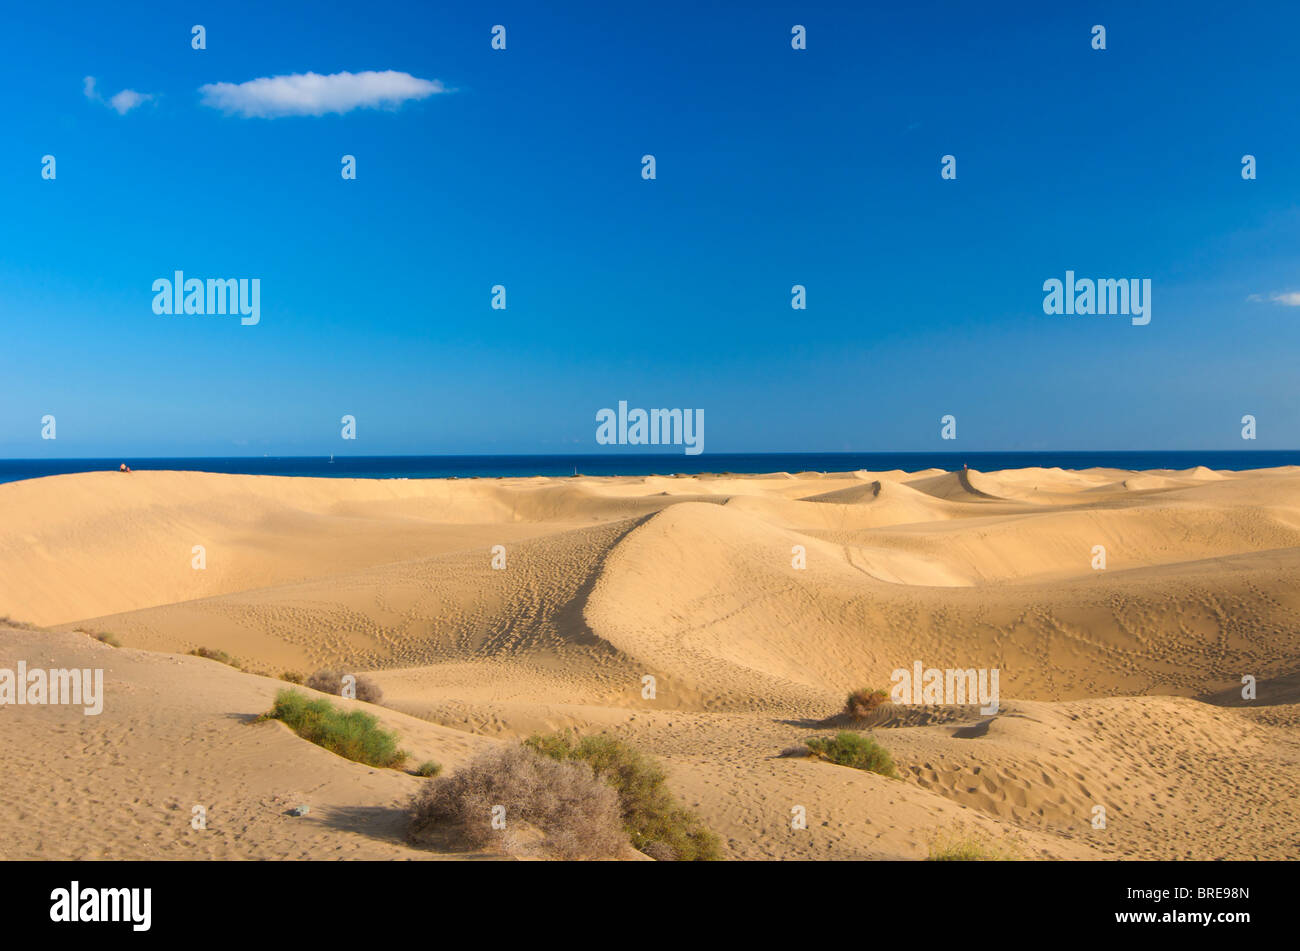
(640, 464)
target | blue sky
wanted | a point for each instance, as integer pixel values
(775, 167)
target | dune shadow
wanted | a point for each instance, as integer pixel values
(973, 732)
(450, 841)
(382, 823)
(804, 724)
(391, 824)
(1268, 692)
(882, 716)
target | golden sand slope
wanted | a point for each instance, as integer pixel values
(176, 732)
(691, 580)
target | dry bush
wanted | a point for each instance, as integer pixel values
(104, 637)
(331, 681)
(863, 701)
(219, 656)
(660, 851)
(576, 813)
(7, 621)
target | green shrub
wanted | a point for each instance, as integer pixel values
(428, 768)
(355, 734)
(855, 750)
(654, 821)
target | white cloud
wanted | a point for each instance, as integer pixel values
(311, 94)
(128, 99)
(123, 102)
(1286, 299)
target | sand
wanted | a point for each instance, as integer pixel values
(1119, 687)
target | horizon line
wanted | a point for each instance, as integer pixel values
(668, 455)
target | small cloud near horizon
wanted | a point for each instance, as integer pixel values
(311, 94)
(1287, 299)
(122, 102)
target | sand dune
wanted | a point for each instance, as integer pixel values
(953, 486)
(755, 603)
(176, 733)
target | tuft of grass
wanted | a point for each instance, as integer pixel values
(293, 677)
(654, 821)
(428, 768)
(853, 750)
(104, 637)
(219, 656)
(331, 681)
(956, 847)
(576, 813)
(354, 734)
(862, 701)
